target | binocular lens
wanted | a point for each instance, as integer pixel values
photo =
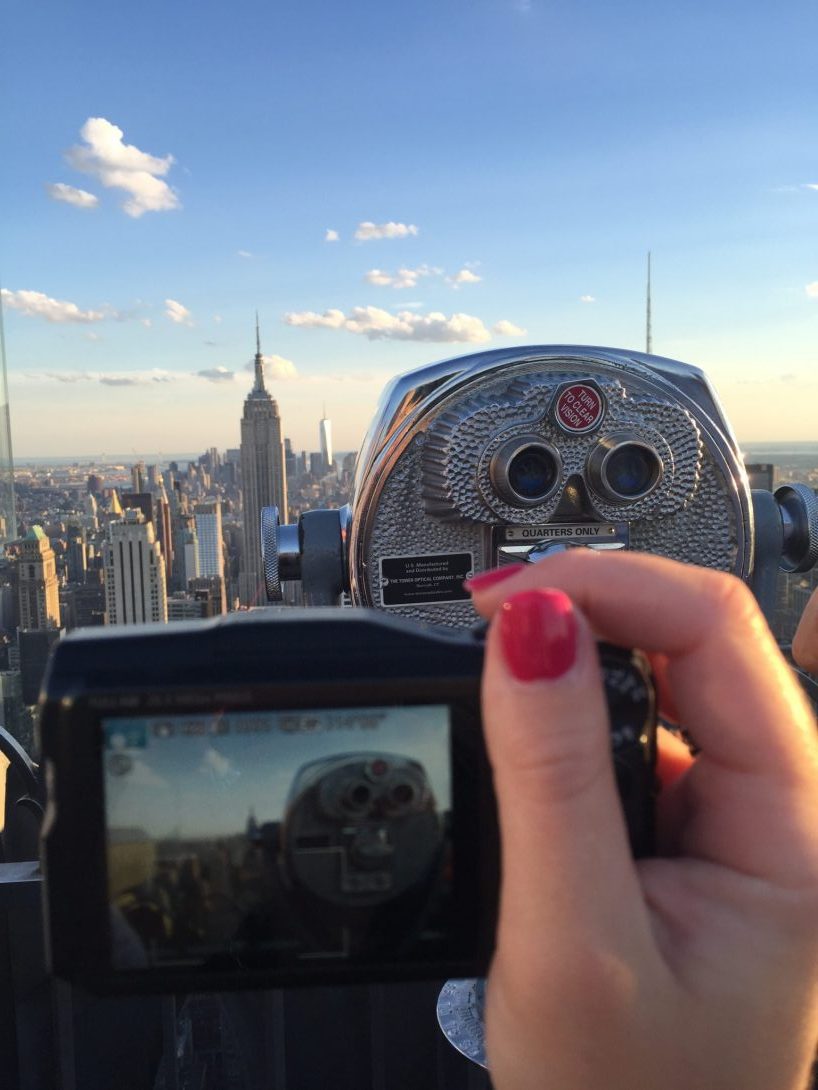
(531, 473)
(632, 470)
(357, 797)
(525, 472)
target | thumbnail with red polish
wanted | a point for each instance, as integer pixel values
(538, 634)
(487, 579)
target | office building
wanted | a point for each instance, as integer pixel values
(83, 605)
(761, 475)
(209, 591)
(263, 481)
(184, 607)
(164, 535)
(325, 441)
(12, 709)
(138, 477)
(210, 575)
(35, 647)
(138, 501)
(39, 594)
(208, 517)
(91, 521)
(76, 554)
(135, 589)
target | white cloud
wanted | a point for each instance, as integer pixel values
(216, 374)
(178, 313)
(377, 324)
(80, 198)
(244, 253)
(331, 235)
(812, 289)
(464, 276)
(811, 185)
(217, 767)
(403, 278)
(367, 230)
(34, 304)
(104, 378)
(117, 165)
(587, 298)
(504, 328)
(275, 367)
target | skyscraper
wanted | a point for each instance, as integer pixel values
(134, 572)
(325, 440)
(8, 516)
(39, 590)
(208, 517)
(263, 482)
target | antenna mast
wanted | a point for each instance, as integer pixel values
(648, 331)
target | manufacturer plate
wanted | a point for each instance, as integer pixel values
(425, 580)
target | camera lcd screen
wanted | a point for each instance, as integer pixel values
(276, 838)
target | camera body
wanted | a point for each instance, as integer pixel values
(504, 456)
(310, 815)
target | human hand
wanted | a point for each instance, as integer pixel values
(695, 970)
(805, 640)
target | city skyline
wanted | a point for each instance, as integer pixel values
(385, 203)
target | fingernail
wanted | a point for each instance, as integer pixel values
(538, 634)
(489, 578)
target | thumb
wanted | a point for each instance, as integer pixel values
(568, 881)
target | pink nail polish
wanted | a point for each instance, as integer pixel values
(538, 634)
(488, 578)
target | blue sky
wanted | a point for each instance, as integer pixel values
(208, 786)
(530, 153)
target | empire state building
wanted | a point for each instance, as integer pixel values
(263, 480)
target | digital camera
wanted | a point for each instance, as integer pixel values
(293, 797)
(506, 455)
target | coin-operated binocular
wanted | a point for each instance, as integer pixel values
(504, 456)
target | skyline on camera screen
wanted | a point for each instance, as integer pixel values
(203, 775)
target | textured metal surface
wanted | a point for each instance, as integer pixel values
(461, 442)
(269, 553)
(799, 506)
(460, 1014)
(428, 488)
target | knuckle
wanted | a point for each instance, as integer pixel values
(730, 597)
(566, 761)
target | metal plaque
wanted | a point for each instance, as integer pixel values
(433, 577)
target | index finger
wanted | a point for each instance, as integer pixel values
(756, 783)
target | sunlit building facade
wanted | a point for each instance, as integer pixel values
(38, 586)
(135, 590)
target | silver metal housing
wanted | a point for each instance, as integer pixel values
(423, 483)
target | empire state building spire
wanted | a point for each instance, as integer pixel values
(259, 363)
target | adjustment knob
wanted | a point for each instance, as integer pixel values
(799, 517)
(269, 553)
